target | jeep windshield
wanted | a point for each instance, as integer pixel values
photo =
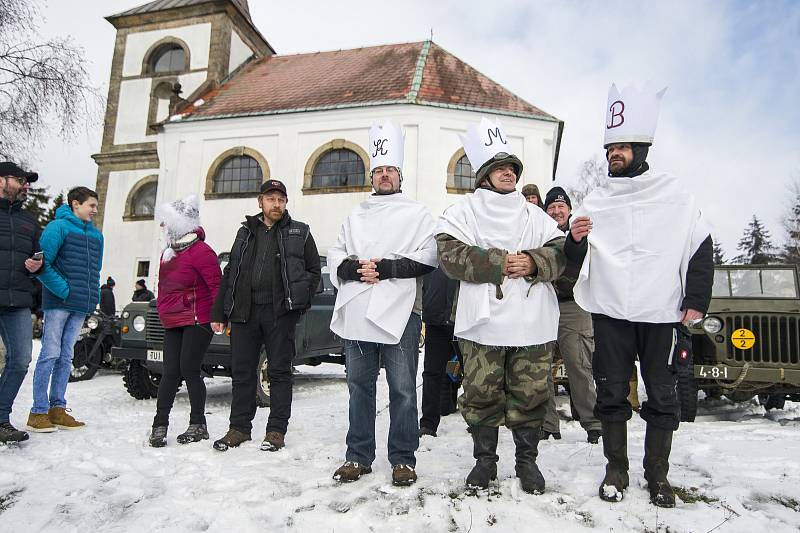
(754, 283)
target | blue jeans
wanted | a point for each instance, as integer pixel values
(363, 364)
(61, 329)
(16, 330)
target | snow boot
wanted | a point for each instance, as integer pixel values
(273, 441)
(9, 433)
(403, 475)
(232, 439)
(351, 471)
(195, 433)
(484, 439)
(615, 448)
(158, 436)
(657, 445)
(593, 436)
(527, 442)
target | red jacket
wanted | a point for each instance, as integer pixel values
(187, 285)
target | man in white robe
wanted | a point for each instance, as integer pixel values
(384, 248)
(505, 252)
(646, 256)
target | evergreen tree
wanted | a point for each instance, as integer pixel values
(719, 255)
(756, 245)
(37, 203)
(790, 252)
(58, 201)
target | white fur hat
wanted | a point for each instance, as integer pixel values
(178, 217)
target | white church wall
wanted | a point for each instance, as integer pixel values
(239, 52)
(197, 37)
(126, 242)
(188, 149)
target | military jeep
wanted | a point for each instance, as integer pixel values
(143, 336)
(748, 344)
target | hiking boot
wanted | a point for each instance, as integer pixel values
(484, 448)
(351, 471)
(158, 436)
(40, 423)
(9, 433)
(232, 439)
(657, 446)
(527, 442)
(593, 436)
(615, 448)
(544, 434)
(426, 431)
(273, 441)
(403, 475)
(60, 417)
(194, 433)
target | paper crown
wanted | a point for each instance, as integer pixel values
(386, 146)
(632, 115)
(483, 141)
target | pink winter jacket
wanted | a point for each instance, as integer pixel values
(187, 285)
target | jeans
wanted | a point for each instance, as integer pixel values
(61, 330)
(16, 330)
(363, 364)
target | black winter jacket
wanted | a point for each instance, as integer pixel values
(299, 269)
(438, 293)
(19, 239)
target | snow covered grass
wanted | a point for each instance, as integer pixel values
(735, 470)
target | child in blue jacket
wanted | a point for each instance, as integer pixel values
(73, 256)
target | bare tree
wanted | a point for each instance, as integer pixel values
(593, 174)
(41, 81)
(790, 252)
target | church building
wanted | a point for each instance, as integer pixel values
(199, 102)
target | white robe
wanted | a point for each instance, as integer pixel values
(644, 231)
(526, 315)
(386, 227)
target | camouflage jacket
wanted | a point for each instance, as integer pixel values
(478, 265)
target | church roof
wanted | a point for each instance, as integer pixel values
(163, 5)
(419, 73)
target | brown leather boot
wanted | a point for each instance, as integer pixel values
(273, 441)
(60, 417)
(232, 439)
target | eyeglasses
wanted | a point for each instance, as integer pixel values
(22, 181)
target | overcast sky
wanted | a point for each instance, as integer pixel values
(730, 120)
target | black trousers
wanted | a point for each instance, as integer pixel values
(617, 343)
(277, 336)
(184, 349)
(438, 392)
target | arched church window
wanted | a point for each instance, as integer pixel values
(338, 168)
(238, 174)
(144, 201)
(169, 57)
(141, 201)
(460, 176)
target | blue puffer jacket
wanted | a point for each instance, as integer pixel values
(73, 256)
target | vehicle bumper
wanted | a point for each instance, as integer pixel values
(728, 374)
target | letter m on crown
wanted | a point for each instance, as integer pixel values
(492, 135)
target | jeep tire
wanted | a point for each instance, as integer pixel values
(262, 381)
(84, 369)
(140, 382)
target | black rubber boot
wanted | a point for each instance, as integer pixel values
(484, 439)
(615, 448)
(527, 441)
(657, 445)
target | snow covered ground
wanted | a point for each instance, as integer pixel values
(737, 469)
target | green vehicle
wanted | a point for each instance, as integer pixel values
(142, 340)
(748, 344)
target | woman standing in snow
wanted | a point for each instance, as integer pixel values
(189, 277)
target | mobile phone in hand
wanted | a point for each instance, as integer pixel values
(38, 256)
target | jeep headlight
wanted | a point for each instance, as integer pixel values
(712, 324)
(138, 323)
(92, 322)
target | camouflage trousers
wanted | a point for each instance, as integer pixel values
(505, 386)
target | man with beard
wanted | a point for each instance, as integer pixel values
(646, 255)
(19, 241)
(384, 248)
(575, 336)
(504, 251)
(273, 272)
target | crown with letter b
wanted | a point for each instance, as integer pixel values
(632, 115)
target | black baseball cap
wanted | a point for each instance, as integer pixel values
(7, 168)
(273, 185)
